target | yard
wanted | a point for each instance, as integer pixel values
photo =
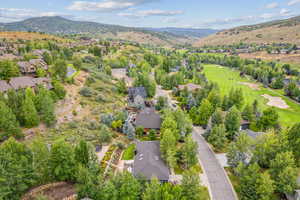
(129, 152)
(228, 78)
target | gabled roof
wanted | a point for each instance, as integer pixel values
(253, 134)
(148, 162)
(46, 82)
(149, 119)
(4, 86)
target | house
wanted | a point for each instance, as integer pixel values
(190, 87)
(39, 63)
(26, 68)
(21, 82)
(148, 162)
(40, 52)
(133, 92)
(46, 82)
(148, 119)
(4, 86)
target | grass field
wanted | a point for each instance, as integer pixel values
(228, 78)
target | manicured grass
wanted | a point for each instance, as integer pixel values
(228, 78)
(129, 152)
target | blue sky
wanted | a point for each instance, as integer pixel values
(216, 14)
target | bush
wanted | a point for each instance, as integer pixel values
(86, 92)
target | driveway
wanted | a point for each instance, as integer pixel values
(220, 187)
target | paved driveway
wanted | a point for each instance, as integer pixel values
(219, 185)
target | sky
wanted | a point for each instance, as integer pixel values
(216, 14)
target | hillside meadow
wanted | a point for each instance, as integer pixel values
(228, 78)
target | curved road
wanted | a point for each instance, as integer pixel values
(220, 187)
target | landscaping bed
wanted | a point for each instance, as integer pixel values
(129, 152)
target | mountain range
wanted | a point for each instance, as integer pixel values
(63, 26)
(278, 31)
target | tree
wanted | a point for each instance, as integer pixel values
(47, 58)
(9, 126)
(41, 155)
(233, 122)
(293, 137)
(16, 164)
(240, 150)
(248, 113)
(214, 98)
(284, 172)
(8, 69)
(139, 130)
(189, 151)
(269, 119)
(121, 86)
(30, 116)
(236, 98)
(59, 89)
(217, 117)
(264, 186)
(249, 176)
(129, 188)
(85, 154)
(167, 143)
(217, 136)
(129, 130)
(191, 188)
(170, 124)
(205, 112)
(62, 162)
(267, 148)
(104, 135)
(60, 69)
(45, 106)
(152, 191)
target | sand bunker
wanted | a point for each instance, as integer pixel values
(276, 101)
(253, 86)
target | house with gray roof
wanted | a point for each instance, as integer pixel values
(26, 68)
(148, 162)
(136, 91)
(148, 119)
(46, 82)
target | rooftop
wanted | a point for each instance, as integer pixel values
(148, 118)
(148, 162)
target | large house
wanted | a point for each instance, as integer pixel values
(23, 82)
(148, 162)
(31, 66)
(148, 119)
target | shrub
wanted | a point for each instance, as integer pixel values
(86, 92)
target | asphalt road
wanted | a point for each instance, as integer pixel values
(220, 186)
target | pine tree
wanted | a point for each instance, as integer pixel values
(8, 123)
(233, 122)
(29, 114)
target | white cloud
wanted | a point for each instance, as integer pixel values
(285, 12)
(106, 5)
(16, 14)
(293, 2)
(170, 20)
(147, 13)
(272, 5)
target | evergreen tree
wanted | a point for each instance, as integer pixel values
(9, 126)
(249, 176)
(233, 122)
(30, 116)
(205, 112)
(191, 188)
(217, 117)
(62, 162)
(265, 187)
(153, 190)
(294, 140)
(269, 119)
(247, 113)
(16, 170)
(217, 136)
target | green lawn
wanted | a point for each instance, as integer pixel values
(228, 78)
(129, 152)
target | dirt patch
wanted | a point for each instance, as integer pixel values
(253, 86)
(66, 108)
(275, 101)
(120, 74)
(53, 191)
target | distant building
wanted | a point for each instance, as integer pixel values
(190, 87)
(148, 119)
(148, 162)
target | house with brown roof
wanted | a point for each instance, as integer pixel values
(39, 63)
(26, 68)
(46, 82)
